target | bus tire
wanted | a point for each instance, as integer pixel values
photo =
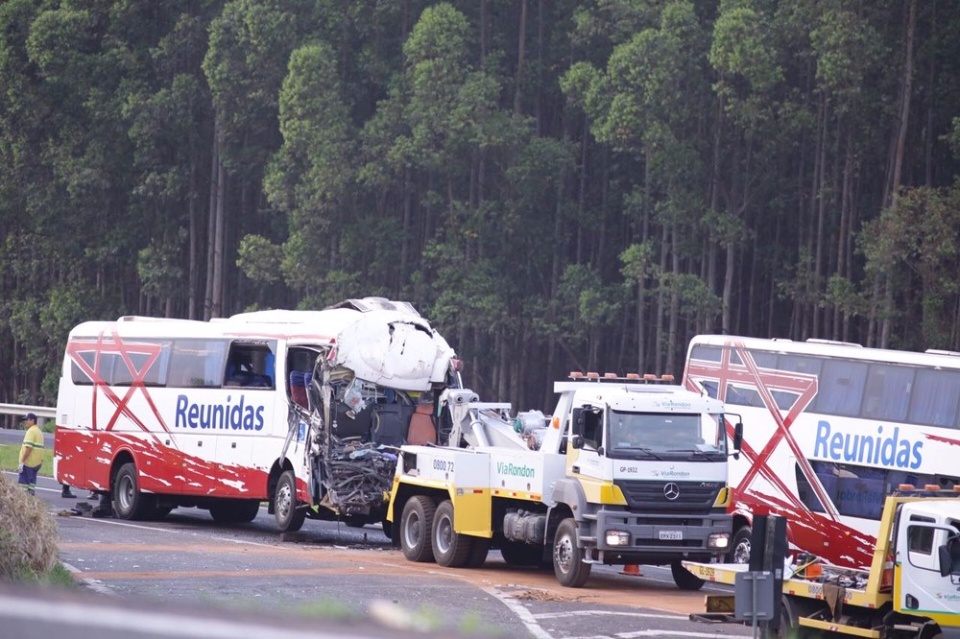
(128, 501)
(233, 511)
(289, 517)
(685, 579)
(416, 526)
(450, 548)
(568, 564)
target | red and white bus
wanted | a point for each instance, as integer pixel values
(830, 429)
(284, 407)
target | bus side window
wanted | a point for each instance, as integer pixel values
(249, 365)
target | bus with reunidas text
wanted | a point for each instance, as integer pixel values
(302, 410)
(833, 429)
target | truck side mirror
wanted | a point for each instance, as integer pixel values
(738, 436)
(576, 442)
(577, 423)
(946, 561)
(949, 555)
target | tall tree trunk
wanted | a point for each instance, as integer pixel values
(212, 224)
(893, 185)
(521, 47)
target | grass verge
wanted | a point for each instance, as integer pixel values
(10, 458)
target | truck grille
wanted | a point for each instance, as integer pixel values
(694, 497)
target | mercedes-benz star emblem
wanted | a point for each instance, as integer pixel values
(671, 491)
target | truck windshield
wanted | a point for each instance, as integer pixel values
(665, 435)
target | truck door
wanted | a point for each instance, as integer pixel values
(919, 537)
(584, 459)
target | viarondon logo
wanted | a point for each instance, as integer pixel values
(507, 468)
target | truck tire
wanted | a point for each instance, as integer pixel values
(128, 501)
(568, 564)
(740, 547)
(478, 553)
(289, 517)
(685, 579)
(450, 549)
(416, 526)
(518, 553)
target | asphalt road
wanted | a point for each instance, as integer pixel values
(187, 576)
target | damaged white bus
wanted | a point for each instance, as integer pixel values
(300, 409)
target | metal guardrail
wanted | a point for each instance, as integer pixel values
(42, 412)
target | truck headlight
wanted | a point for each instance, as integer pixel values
(618, 538)
(718, 540)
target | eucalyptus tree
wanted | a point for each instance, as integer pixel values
(648, 102)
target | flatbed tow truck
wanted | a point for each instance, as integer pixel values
(912, 588)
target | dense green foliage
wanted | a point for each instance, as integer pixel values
(556, 185)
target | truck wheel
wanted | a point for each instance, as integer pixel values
(478, 553)
(128, 501)
(685, 579)
(416, 525)
(740, 548)
(568, 564)
(518, 553)
(450, 549)
(289, 517)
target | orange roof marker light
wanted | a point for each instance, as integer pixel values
(591, 375)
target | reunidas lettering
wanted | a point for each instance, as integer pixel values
(504, 468)
(865, 449)
(228, 416)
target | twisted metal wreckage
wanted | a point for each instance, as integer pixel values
(360, 400)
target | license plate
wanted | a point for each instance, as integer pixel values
(671, 535)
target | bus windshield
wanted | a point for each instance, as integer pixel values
(665, 435)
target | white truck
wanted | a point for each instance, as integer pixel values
(624, 472)
(910, 591)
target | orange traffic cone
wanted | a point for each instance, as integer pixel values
(631, 569)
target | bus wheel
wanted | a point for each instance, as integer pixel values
(416, 525)
(685, 579)
(128, 501)
(568, 564)
(289, 517)
(740, 548)
(450, 549)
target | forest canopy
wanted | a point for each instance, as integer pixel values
(556, 185)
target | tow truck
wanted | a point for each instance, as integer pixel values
(911, 590)
(628, 470)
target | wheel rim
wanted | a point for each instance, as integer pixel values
(125, 493)
(741, 553)
(411, 531)
(284, 500)
(563, 554)
(444, 539)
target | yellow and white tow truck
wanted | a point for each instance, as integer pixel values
(624, 472)
(912, 588)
